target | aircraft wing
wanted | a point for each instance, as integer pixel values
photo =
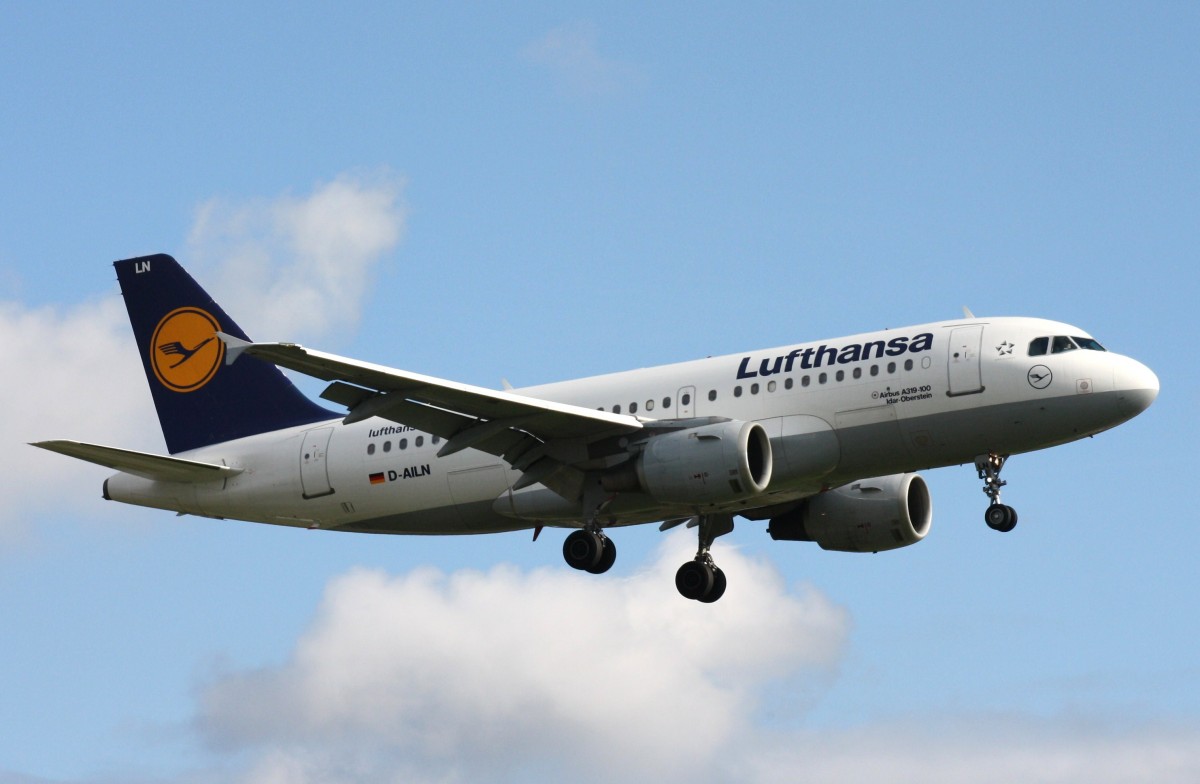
(537, 437)
(143, 464)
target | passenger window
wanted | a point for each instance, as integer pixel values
(874, 370)
(754, 389)
(1062, 343)
(891, 368)
(858, 372)
(788, 383)
(841, 375)
(712, 394)
(616, 409)
(649, 405)
(737, 391)
(666, 402)
(633, 408)
(387, 446)
(805, 381)
(370, 449)
(908, 364)
(435, 440)
(420, 441)
(770, 386)
(821, 379)
(1037, 346)
(403, 443)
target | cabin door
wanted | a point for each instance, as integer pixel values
(314, 463)
(963, 355)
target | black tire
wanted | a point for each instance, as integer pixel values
(718, 587)
(608, 557)
(1000, 518)
(694, 580)
(1012, 520)
(583, 550)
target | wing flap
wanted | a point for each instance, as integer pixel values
(143, 464)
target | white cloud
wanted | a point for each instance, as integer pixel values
(73, 373)
(294, 268)
(999, 749)
(507, 674)
(287, 267)
(570, 53)
(549, 675)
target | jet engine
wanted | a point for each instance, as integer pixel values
(866, 516)
(712, 464)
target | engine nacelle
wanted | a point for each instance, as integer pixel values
(866, 516)
(713, 464)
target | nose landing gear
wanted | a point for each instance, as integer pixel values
(998, 516)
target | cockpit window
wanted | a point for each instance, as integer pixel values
(1088, 343)
(1062, 343)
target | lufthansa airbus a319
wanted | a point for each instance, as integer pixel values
(820, 439)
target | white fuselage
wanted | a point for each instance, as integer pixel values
(866, 405)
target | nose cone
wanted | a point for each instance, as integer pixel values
(1136, 384)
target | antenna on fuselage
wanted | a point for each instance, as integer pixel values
(967, 312)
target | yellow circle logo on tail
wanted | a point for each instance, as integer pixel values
(185, 351)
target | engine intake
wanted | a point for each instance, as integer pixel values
(866, 516)
(712, 464)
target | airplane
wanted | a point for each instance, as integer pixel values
(820, 439)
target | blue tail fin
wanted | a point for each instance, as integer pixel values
(200, 399)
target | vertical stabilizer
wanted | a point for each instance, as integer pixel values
(201, 400)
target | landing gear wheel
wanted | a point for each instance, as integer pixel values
(584, 550)
(608, 556)
(718, 588)
(695, 580)
(1000, 518)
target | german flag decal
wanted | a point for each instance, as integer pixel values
(377, 479)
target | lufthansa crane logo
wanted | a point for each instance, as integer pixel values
(184, 351)
(1039, 376)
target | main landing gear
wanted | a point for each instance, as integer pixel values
(998, 516)
(589, 550)
(701, 579)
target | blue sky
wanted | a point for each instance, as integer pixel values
(480, 193)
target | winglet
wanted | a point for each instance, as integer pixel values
(234, 347)
(967, 312)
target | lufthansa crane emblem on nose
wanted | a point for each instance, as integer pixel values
(1039, 376)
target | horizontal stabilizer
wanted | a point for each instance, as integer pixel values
(143, 464)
